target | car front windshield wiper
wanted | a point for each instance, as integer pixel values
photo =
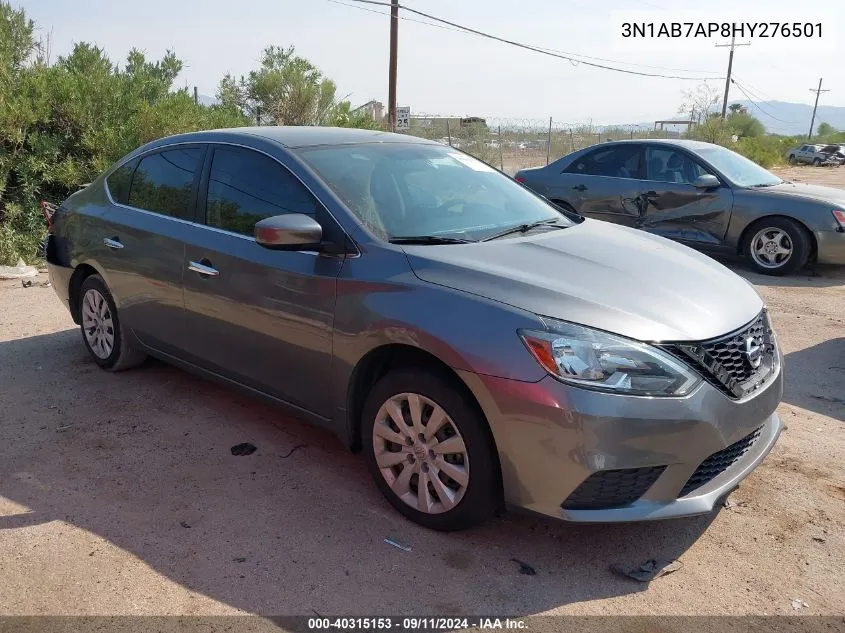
(427, 239)
(523, 228)
(766, 184)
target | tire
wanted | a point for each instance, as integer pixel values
(816, 162)
(782, 232)
(474, 502)
(791, 160)
(100, 323)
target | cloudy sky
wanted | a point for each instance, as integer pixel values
(452, 73)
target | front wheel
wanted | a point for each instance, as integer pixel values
(791, 159)
(429, 451)
(777, 246)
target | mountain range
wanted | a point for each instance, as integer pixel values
(781, 117)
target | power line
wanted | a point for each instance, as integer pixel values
(756, 105)
(387, 13)
(756, 92)
(570, 57)
(542, 48)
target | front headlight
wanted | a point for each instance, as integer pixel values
(598, 360)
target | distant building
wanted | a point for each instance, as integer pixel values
(374, 108)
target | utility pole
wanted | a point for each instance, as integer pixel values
(733, 44)
(391, 82)
(818, 91)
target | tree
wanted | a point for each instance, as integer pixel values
(288, 90)
(744, 125)
(825, 129)
(699, 102)
(62, 125)
(713, 129)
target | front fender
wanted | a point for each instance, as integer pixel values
(746, 211)
(381, 302)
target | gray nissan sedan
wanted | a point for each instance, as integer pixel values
(702, 195)
(482, 347)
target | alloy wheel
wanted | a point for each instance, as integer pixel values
(771, 247)
(420, 453)
(97, 323)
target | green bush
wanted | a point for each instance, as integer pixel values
(766, 151)
(61, 125)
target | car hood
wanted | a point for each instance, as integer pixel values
(816, 193)
(602, 275)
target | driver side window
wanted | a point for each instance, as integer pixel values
(245, 187)
(665, 164)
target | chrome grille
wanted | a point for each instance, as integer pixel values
(737, 363)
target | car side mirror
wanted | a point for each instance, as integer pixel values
(292, 231)
(706, 181)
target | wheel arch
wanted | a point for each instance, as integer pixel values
(80, 274)
(740, 247)
(390, 357)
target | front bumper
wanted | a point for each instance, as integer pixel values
(551, 437)
(830, 246)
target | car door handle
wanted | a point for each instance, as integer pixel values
(113, 243)
(203, 269)
(580, 187)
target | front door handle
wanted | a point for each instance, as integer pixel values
(580, 187)
(203, 269)
(113, 243)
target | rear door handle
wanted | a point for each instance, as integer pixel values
(112, 243)
(580, 187)
(202, 269)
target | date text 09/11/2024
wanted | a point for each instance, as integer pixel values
(412, 623)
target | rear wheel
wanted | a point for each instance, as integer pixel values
(777, 246)
(429, 451)
(102, 331)
(817, 162)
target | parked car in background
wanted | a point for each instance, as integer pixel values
(809, 154)
(702, 195)
(482, 346)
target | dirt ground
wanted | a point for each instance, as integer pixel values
(119, 495)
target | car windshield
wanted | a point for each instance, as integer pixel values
(738, 169)
(410, 190)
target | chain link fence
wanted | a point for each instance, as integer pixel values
(513, 144)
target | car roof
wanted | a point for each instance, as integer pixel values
(302, 136)
(675, 142)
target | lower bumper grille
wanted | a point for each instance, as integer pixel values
(719, 462)
(612, 488)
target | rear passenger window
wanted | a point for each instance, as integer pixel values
(163, 182)
(615, 162)
(245, 187)
(118, 182)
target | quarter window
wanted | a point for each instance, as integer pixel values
(615, 162)
(118, 182)
(163, 182)
(245, 187)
